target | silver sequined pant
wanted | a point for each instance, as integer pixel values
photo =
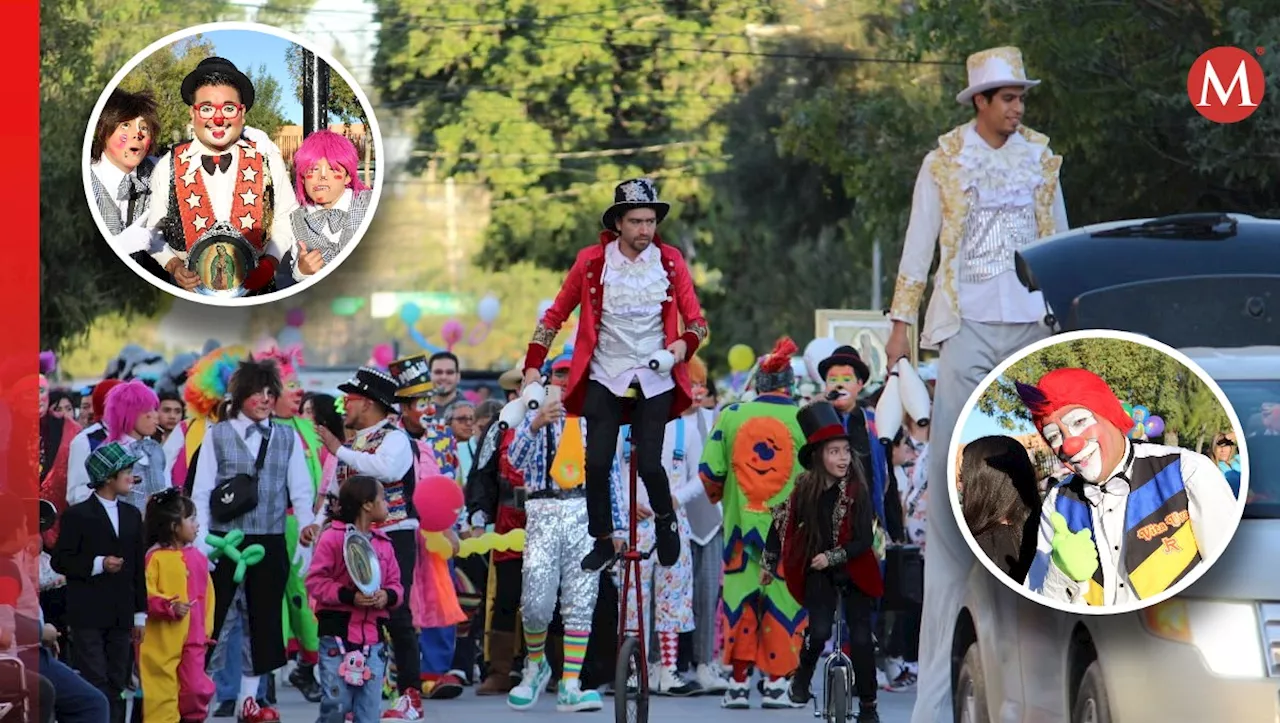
(556, 540)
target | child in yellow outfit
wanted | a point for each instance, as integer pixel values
(179, 615)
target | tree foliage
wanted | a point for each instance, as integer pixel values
(1138, 375)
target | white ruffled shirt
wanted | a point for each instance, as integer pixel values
(633, 288)
(1003, 177)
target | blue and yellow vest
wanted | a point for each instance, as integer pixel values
(1159, 546)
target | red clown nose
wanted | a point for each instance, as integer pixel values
(1071, 446)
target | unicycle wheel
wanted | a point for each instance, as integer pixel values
(631, 685)
(837, 694)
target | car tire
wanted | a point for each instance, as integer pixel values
(1092, 704)
(969, 698)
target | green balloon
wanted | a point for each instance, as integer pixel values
(229, 547)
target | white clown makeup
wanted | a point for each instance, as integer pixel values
(129, 145)
(1086, 443)
(845, 382)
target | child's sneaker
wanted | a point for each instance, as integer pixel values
(525, 695)
(571, 698)
(668, 682)
(737, 696)
(777, 694)
(408, 707)
(251, 712)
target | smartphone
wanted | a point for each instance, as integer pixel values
(554, 393)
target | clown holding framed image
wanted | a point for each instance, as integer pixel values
(1131, 522)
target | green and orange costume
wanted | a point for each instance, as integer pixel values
(750, 463)
(302, 633)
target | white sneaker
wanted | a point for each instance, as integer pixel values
(669, 682)
(737, 696)
(777, 694)
(525, 695)
(893, 668)
(710, 680)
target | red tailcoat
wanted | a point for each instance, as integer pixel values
(509, 517)
(584, 289)
(54, 485)
(863, 570)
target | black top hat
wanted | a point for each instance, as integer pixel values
(845, 356)
(212, 65)
(374, 384)
(635, 193)
(413, 376)
(820, 423)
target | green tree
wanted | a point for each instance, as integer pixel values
(161, 74)
(266, 115)
(1137, 374)
(344, 106)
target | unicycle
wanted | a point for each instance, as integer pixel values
(837, 676)
(631, 676)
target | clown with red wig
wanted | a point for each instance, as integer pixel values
(332, 201)
(1133, 518)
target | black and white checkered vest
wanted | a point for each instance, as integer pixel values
(234, 458)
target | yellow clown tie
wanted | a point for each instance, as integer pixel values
(568, 467)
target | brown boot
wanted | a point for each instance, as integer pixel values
(501, 652)
(555, 656)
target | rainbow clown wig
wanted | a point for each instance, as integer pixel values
(207, 383)
(125, 404)
(1073, 386)
(329, 146)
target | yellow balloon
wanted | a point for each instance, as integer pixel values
(741, 357)
(512, 541)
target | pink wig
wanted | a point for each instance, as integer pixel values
(125, 403)
(329, 146)
(289, 360)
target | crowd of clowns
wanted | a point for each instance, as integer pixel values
(164, 596)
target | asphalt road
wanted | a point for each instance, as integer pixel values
(894, 708)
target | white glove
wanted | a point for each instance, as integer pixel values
(262, 140)
(132, 240)
(302, 558)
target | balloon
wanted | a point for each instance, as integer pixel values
(438, 499)
(1155, 426)
(488, 309)
(289, 337)
(543, 306)
(452, 332)
(229, 547)
(383, 355)
(512, 541)
(815, 352)
(295, 317)
(1140, 413)
(410, 313)
(1128, 409)
(741, 357)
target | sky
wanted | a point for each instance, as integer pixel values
(980, 425)
(249, 50)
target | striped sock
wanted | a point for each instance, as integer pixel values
(575, 649)
(535, 642)
(670, 643)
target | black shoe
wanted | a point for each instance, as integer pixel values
(667, 530)
(800, 683)
(303, 678)
(226, 709)
(868, 714)
(600, 557)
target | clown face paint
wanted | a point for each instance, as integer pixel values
(413, 414)
(1088, 444)
(128, 145)
(220, 131)
(290, 402)
(259, 406)
(842, 381)
(324, 184)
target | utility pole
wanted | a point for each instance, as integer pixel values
(877, 296)
(453, 253)
(315, 93)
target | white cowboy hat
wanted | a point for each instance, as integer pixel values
(995, 68)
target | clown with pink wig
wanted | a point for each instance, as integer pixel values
(1133, 518)
(131, 416)
(301, 629)
(332, 201)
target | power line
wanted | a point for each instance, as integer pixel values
(602, 153)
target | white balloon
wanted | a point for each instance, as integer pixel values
(889, 410)
(488, 309)
(816, 351)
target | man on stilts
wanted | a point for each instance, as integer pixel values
(637, 299)
(989, 188)
(750, 464)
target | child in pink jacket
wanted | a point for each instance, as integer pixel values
(353, 660)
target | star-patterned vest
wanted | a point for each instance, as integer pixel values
(191, 213)
(399, 492)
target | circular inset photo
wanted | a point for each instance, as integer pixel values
(231, 164)
(1098, 472)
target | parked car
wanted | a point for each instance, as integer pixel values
(1207, 284)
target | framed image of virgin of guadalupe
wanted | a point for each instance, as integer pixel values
(865, 331)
